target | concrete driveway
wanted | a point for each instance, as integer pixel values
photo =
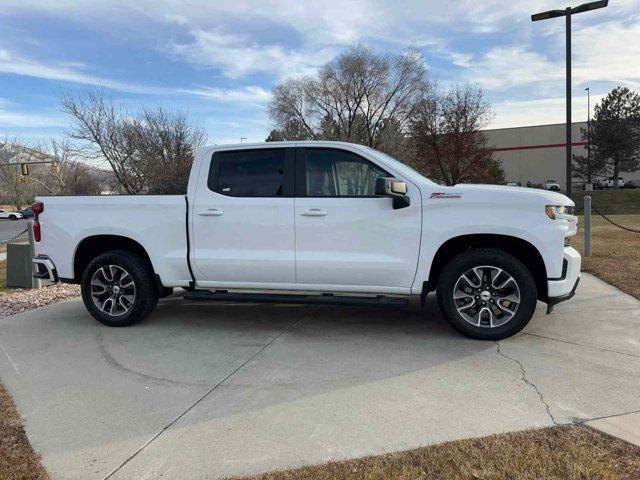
(213, 390)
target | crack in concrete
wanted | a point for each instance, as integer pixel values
(211, 390)
(528, 382)
(584, 345)
(580, 421)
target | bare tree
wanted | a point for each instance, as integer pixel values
(71, 175)
(448, 144)
(13, 188)
(165, 143)
(355, 98)
(104, 131)
(148, 152)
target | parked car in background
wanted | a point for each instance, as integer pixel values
(27, 213)
(514, 184)
(632, 184)
(610, 184)
(315, 222)
(552, 185)
(10, 215)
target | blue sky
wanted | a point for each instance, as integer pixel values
(218, 60)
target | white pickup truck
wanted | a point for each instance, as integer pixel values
(315, 222)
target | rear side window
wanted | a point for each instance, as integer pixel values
(337, 173)
(249, 173)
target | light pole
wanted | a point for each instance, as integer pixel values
(588, 123)
(242, 139)
(567, 13)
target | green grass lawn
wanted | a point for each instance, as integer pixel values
(610, 202)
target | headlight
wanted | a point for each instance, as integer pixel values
(553, 210)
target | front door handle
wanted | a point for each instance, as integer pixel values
(314, 212)
(211, 212)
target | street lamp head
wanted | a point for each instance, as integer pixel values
(548, 15)
(585, 7)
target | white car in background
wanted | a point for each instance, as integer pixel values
(610, 184)
(10, 215)
(552, 185)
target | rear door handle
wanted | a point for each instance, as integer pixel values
(314, 212)
(211, 212)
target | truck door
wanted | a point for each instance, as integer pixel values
(346, 236)
(242, 220)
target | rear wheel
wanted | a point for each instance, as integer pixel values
(118, 288)
(487, 294)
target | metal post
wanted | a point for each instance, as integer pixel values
(588, 123)
(587, 226)
(36, 283)
(568, 127)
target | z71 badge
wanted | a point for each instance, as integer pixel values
(445, 195)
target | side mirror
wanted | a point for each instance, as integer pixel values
(394, 188)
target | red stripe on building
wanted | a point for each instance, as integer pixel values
(533, 147)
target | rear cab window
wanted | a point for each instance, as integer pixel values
(264, 172)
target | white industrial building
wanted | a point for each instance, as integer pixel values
(537, 153)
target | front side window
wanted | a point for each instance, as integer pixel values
(250, 173)
(337, 173)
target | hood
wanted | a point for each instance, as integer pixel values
(504, 193)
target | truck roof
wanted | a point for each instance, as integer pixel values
(292, 143)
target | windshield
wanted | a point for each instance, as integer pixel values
(398, 165)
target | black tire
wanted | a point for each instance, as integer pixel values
(145, 293)
(497, 258)
(12, 217)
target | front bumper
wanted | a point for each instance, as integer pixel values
(44, 269)
(563, 288)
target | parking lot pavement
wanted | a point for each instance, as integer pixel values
(215, 390)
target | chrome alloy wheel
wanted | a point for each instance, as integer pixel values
(486, 296)
(113, 290)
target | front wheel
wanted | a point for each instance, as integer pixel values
(12, 217)
(487, 294)
(118, 288)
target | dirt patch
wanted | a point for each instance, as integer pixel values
(18, 461)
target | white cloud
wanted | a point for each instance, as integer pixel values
(540, 111)
(70, 72)
(605, 52)
(237, 56)
(12, 118)
(250, 94)
(504, 67)
(67, 72)
(608, 51)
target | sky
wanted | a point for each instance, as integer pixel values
(218, 60)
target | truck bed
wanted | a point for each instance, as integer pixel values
(157, 222)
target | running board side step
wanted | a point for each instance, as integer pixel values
(324, 299)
